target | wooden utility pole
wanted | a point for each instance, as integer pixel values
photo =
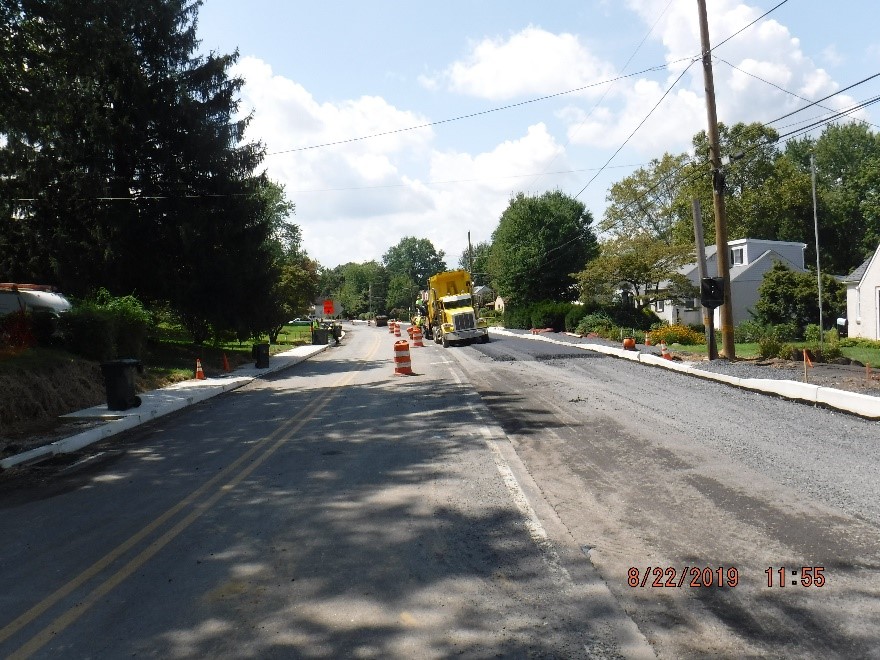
(708, 314)
(722, 251)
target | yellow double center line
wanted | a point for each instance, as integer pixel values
(276, 439)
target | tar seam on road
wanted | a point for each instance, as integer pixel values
(286, 431)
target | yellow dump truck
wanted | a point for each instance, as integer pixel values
(450, 310)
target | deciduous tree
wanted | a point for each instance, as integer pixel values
(538, 244)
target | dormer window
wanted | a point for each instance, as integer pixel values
(736, 256)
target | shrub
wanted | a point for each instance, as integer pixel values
(598, 322)
(574, 316)
(785, 352)
(785, 331)
(550, 315)
(89, 332)
(859, 342)
(811, 333)
(517, 317)
(676, 334)
(829, 352)
(769, 346)
(749, 332)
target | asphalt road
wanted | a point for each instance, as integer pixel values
(331, 510)
(665, 479)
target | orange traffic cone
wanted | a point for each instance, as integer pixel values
(225, 364)
(402, 364)
(200, 375)
(664, 352)
(417, 337)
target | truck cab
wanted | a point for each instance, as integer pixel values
(451, 315)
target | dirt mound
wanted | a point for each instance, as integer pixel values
(33, 397)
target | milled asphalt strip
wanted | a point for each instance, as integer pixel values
(156, 404)
(607, 614)
(287, 430)
(863, 405)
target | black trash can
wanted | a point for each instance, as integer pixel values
(337, 331)
(261, 356)
(119, 383)
(320, 336)
(381, 321)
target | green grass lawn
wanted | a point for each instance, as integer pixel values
(169, 356)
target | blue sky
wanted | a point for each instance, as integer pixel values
(321, 72)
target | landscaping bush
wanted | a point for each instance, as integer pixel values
(859, 342)
(89, 332)
(749, 332)
(517, 317)
(811, 333)
(131, 323)
(598, 322)
(829, 352)
(574, 316)
(787, 352)
(785, 331)
(769, 346)
(676, 334)
(549, 314)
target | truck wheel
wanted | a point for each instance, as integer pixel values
(484, 339)
(445, 342)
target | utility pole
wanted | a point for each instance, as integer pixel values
(708, 314)
(816, 229)
(722, 251)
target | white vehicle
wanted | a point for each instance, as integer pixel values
(31, 298)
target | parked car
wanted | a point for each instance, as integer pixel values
(31, 298)
(300, 321)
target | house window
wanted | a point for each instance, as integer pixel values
(736, 256)
(691, 304)
(659, 306)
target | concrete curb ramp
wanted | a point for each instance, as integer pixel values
(156, 404)
(863, 405)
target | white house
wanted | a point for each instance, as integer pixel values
(863, 298)
(749, 259)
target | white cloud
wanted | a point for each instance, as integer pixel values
(356, 200)
(531, 62)
(766, 50)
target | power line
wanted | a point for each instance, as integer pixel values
(743, 29)
(659, 67)
(641, 123)
(608, 89)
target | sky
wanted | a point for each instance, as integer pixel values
(389, 119)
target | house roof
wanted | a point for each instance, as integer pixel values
(857, 275)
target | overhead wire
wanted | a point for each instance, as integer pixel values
(609, 88)
(439, 122)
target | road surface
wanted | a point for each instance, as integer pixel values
(331, 510)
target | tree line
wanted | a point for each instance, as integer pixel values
(123, 166)
(545, 247)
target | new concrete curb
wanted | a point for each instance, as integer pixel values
(863, 405)
(156, 404)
